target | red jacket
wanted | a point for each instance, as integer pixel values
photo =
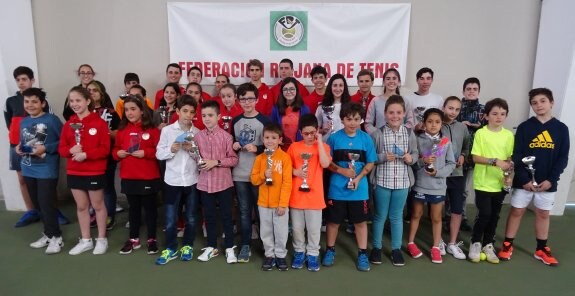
(312, 101)
(95, 141)
(357, 97)
(131, 167)
(265, 101)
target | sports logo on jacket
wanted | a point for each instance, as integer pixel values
(543, 140)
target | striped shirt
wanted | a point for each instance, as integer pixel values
(216, 145)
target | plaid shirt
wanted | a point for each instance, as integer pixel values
(216, 145)
(393, 174)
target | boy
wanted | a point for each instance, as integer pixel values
(173, 75)
(491, 152)
(273, 198)
(348, 189)
(38, 148)
(546, 138)
(285, 71)
(181, 177)
(318, 78)
(306, 205)
(422, 99)
(130, 80)
(215, 180)
(363, 95)
(247, 134)
(265, 101)
(196, 75)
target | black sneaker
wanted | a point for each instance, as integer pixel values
(152, 246)
(465, 226)
(282, 264)
(375, 256)
(397, 258)
(269, 263)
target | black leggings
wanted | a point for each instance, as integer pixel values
(488, 209)
(43, 194)
(148, 202)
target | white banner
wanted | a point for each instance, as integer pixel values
(344, 38)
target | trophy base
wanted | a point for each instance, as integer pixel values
(269, 182)
(350, 186)
(304, 189)
(429, 169)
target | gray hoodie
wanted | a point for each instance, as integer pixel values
(444, 165)
(458, 134)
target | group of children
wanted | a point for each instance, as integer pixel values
(307, 165)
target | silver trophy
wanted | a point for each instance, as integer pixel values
(226, 120)
(164, 114)
(353, 157)
(194, 149)
(304, 187)
(364, 102)
(328, 110)
(430, 167)
(508, 177)
(77, 127)
(528, 162)
(269, 153)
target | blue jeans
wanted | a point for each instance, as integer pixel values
(247, 201)
(224, 200)
(388, 203)
(110, 195)
(172, 197)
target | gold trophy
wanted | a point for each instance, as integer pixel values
(304, 187)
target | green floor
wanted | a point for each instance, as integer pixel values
(25, 271)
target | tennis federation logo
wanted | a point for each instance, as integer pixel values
(543, 140)
(288, 30)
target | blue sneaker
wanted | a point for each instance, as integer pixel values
(167, 256)
(244, 255)
(362, 262)
(187, 253)
(298, 260)
(328, 258)
(28, 218)
(62, 220)
(313, 263)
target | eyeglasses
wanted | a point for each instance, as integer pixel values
(290, 89)
(250, 100)
(305, 134)
(86, 73)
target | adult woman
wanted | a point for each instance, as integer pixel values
(86, 74)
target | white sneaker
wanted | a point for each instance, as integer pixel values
(490, 255)
(208, 254)
(475, 252)
(127, 225)
(456, 251)
(119, 208)
(55, 245)
(323, 228)
(180, 233)
(255, 231)
(231, 255)
(101, 246)
(84, 244)
(442, 248)
(41, 242)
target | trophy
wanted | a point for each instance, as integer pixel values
(436, 150)
(226, 120)
(164, 114)
(269, 153)
(353, 157)
(76, 127)
(328, 110)
(364, 102)
(508, 177)
(528, 162)
(194, 149)
(304, 187)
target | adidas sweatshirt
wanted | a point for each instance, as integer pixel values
(549, 143)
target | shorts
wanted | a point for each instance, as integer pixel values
(87, 183)
(428, 198)
(15, 159)
(355, 211)
(455, 189)
(521, 198)
(141, 187)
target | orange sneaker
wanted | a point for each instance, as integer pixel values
(546, 257)
(506, 251)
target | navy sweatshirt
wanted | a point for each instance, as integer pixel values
(549, 143)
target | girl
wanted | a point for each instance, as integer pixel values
(85, 142)
(435, 164)
(396, 148)
(221, 80)
(104, 108)
(459, 136)
(86, 74)
(168, 104)
(135, 147)
(288, 110)
(229, 106)
(195, 90)
(391, 84)
(336, 95)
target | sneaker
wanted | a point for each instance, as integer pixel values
(255, 232)
(375, 256)
(490, 255)
(62, 220)
(101, 246)
(187, 253)
(127, 225)
(119, 208)
(231, 255)
(167, 256)
(465, 226)
(84, 244)
(397, 258)
(414, 250)
(110, 223)
(152, 246)
(323, 228)
(208, 254)
(180, 233)
(269, 264)
(298, 260)
(362, 262)
(442, 247)
(312, 263)
(475, 252)
(282, 264)
(328, 258)
(28, 218)
(506, 251)
(55, 245)
(244, 255)
(455, 250)
(546, 257)
(350, 229)
(41, 242)
(436, 255)
(130, 245)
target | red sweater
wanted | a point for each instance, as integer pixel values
(95, 141)
(134, 168)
